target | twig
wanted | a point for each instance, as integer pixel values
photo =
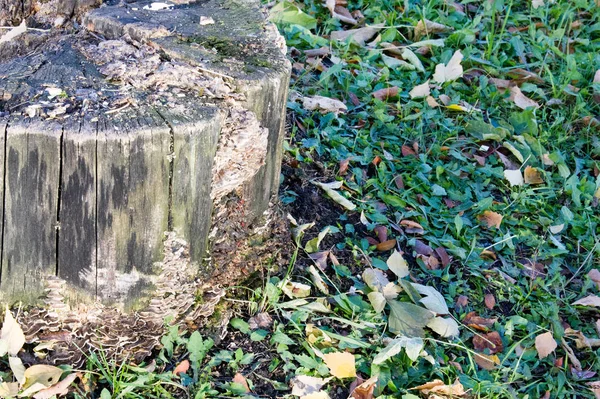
(112, 111)
(214, 73)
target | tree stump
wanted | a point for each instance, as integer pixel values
(126, 121)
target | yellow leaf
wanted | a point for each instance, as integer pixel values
(42, 374)
(341, 364)
(533, 176)
(12, 334)
(456, 107)
(545, 344)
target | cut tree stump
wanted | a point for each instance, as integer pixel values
(123, 122)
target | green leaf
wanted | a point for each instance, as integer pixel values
(105, 394)
(408, 319)
(258, 335)
(240, 325)
(198, 348)
(286, 13)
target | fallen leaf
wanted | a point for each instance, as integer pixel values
(320, 259)
(412, 347)
(261, 320)
(324, 104)
(12, 334)
(295, 290)
(182, 367)
(240, 379)
(431, 102)
(545, 344)
(364, 390)
(318, 280)
(9, 389)
(423, 249)
(595, 388)
(375, 279)
(316, 395)
(520, 100)
(432, 299)
(537, 3)
(305, 385)
(377, 300)
(514, 177)
(590, 300)
(386, 93)
(491, 219)
(444, 326)
(427, 27)
(477, 322)
(14, 32)
(18, 369)
(594, 275)
(420, 91)
(386, 245)
(570, 354)
(412, 58)
(341, 364)
(408, 319)
(334, 195)
(438, 387)
(397, 264)
(490, 301)
(40, 376)
(533, 176)
(490, 341)
(59, 389)
(316, 336)
(340, 12)
(359, 36)
(461, 302)
(486, 362)
(451, 71)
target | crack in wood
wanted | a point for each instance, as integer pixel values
(59, 195)
(3, 200)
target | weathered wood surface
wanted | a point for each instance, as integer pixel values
(153, 123)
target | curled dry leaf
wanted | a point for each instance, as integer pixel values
(295, 290)
(359, 36)
(365, 389)
(340, 12)
(261, 320)
(334, 195)
(490, 341)
(341, 364)
(491, 219)
(438, 387)
(318, 280)
(386, 245)
(386, 93)
(490, 301)
(182, 367)
(533, 176)
(427, 27)
(520, 99)
(323, 104)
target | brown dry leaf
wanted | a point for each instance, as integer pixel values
(523, 75)
(590, 300)
(487, 254)
(364, 390)
(486, 362)
(386, 93)
(359, 36)
(262, 320)
(240, 379)
(545, 344)
(386, 245)
(443, 255)
(490, 301)
(182, 367)
(594, 275)
(340, 12)
(407, 151)
(341, 364)
(427, 27)
(344, 164)
(438, 387)
(431, 102)
(501, 84)
(574, 361)
(520, 99)
(59, 389)
(410, 223)
(462, 301)
(492, 219)
(381, 233)
(324, 104)
(490, 341)
(532, 176)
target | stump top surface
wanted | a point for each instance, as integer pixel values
(130, 55)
